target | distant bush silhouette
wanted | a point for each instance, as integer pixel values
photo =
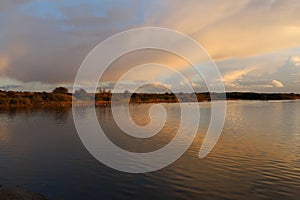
(60, 90)
(82, 94)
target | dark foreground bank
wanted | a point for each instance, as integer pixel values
(19, 194)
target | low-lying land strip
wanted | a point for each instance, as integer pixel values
(60, 97)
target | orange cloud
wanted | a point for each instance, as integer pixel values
(234, 75)
(277, 84)
(232, 29)
(4, 62)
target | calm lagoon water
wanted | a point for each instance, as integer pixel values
(256, 157)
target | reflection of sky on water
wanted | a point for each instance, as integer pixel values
(257, 155)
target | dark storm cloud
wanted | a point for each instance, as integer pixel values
(49, 46)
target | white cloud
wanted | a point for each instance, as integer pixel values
(277, 84)
(296, 60)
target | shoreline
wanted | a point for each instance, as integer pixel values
(32, 100)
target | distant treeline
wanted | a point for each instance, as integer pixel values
(60, 97)
(12, 99)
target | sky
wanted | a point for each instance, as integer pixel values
(254, 43)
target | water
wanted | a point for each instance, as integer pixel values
(256, 157)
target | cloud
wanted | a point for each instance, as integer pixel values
(153, 88)
(296, 60)
(48, 44)
(44, 42)
(288, 71)
(9, 87)
(142, 87)
(277, 84)
(4, 62)
(234, 29)
(234, 75)
(265, 68)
